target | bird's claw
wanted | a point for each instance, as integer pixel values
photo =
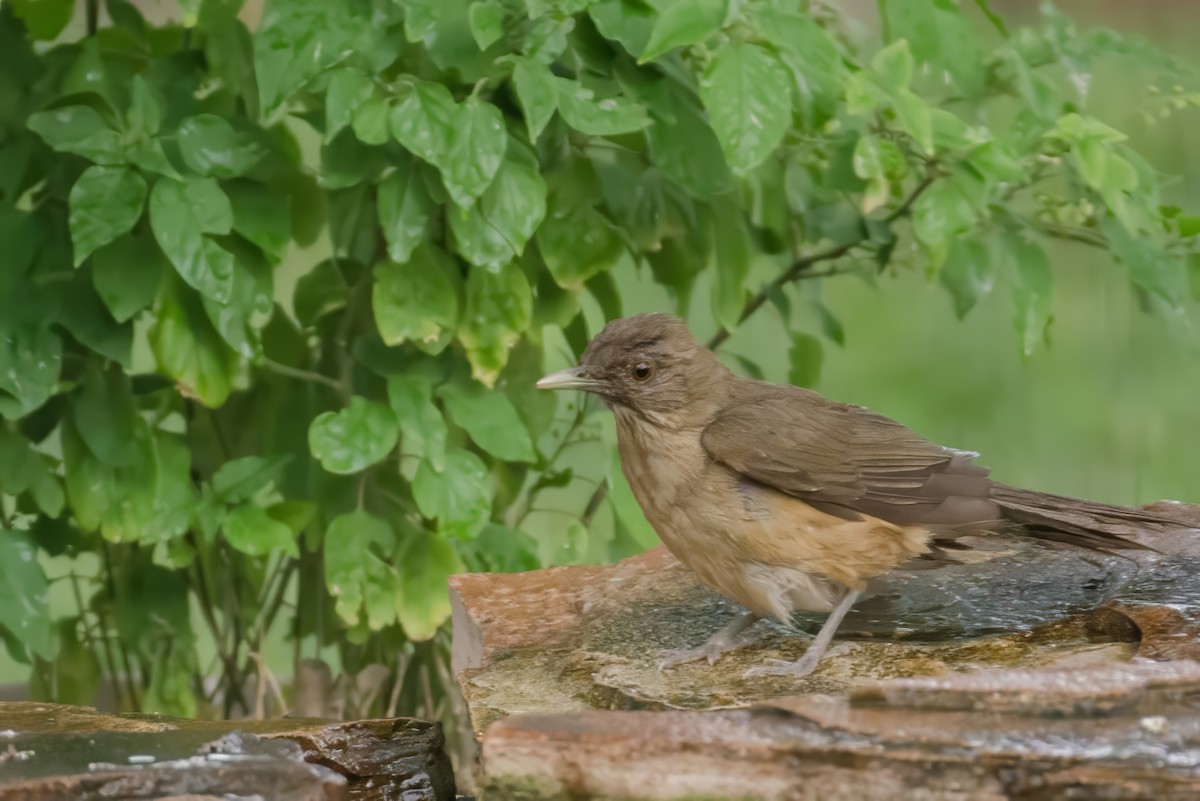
(782, 667)
(709, 652)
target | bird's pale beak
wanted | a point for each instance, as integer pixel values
(571, 378)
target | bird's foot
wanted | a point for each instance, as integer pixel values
(711, 651)
(781, 667)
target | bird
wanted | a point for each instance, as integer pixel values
(786, 501)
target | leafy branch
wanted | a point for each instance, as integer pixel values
(800, 269)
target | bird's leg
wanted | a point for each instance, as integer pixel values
(808, 663)
(722, 642)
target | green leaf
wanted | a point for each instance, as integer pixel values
(189, 350)
(421, 424)
(145, 113)
(1150, 265)
(808, 50)
(459, 497)
(491, 420)
(44, 19)
(24, 594)
(241, 479)
(296, 515)
(181, 213)
(84, 315)
(297, 40)
(733, 256)
(1189, 225)
(127, 274)
(404, 207)
(348, 89)
(88, 483)
(1031, 291)
(355, 438)
(420, 17)
(629, 22)
(748, 96)
(262, 215)
(211, 147)
(370, 121)
(546, 39)
(80, 130)
(682, 142)
(31, 355)
(352, 567)
(106, 417)
(320, 291)
(683, 23)
(486, 18)
(940, 35)
(105, 203)
(477, 146)
(875, 162)
(893, 65)
(915, 117)
(608, 117)
(578, 244)
(804, 360)
(423, 603)
(537, 92)
(943, 213)
(251, 530)
(419, 300)
(19, 462)
(424, 119)
(499, 307)
(966, 274)
(497, 227)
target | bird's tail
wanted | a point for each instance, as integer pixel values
(1099, 526)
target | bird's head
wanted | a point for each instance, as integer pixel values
(650, 365)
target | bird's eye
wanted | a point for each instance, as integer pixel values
(642, 371)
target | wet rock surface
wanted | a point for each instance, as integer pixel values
(1026, 659)
(50, 751)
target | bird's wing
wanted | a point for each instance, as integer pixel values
(847, 459)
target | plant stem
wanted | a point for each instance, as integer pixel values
(304, 375)
(99, 645)
(134, 699)
(229, 668)
(1081, 235)
(92, 11)
(799, 269)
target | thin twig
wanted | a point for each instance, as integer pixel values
(93, 16)
(303, 375)
(527, 505)
(1081, 235)
(104, 649)
(134, 699)
(799, 269)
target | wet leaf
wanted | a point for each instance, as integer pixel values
(421, 423)
(425, 563)
(182, 215)
(748, 96)
(354, 438)
(105, 203)
(683, 23)
(491, 420)
(418, 300)
(251, 530)
(458, 497)
(353, 568)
